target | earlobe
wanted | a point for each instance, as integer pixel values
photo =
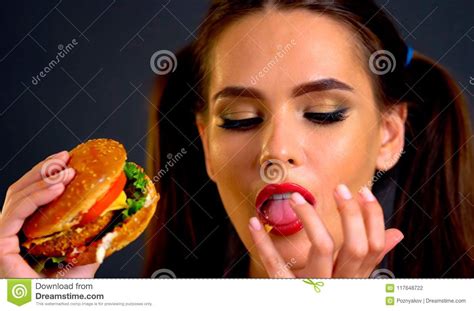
(392, 137)
(202, 128)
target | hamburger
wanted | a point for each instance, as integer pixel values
(106, 206)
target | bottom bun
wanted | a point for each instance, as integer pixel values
(122, 235)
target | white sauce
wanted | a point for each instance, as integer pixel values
(103, 246)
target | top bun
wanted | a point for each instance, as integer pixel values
(97, 163)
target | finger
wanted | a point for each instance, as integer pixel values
(320, 258)
(47, 167)
(374, 226)
(392, 238)
(9, 245)
(64, 177)
(271, 259)
(354, 248)
(71, 271)
(14, 266)
(12, 220)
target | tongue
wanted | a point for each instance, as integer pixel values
(278, 212)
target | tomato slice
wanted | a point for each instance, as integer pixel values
(104, 202)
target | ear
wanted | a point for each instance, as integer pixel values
(392, 133)
(202, 128)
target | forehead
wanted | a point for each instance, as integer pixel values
(277, 47)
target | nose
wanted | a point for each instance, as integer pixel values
(282, 141)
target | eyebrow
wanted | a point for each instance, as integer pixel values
(313, 86)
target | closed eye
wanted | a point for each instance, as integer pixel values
(242, 124)
(321, 118)
(327, 117)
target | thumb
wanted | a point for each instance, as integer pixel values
(392, 238)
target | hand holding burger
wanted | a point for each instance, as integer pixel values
(100, 204)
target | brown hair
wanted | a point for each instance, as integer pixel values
(432, 205)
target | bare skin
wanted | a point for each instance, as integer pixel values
(273, 53)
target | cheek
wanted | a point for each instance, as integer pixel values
(232, 158)
(345, 154)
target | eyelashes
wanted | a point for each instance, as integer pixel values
(242, 124)
(319, 118)
(327, 117)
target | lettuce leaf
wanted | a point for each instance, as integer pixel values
(134, 174)
(136, 189)
(40, 264)
(57, 259)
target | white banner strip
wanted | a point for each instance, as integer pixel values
(236, 294)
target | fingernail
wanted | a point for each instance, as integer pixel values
(401, 237)
(70, 171)
(367, 195)
(297, 199)
(68, 174)
(254, 224)
(344, 192)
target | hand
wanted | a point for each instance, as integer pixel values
(366, 241)
(34, 189)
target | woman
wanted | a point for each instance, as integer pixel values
(298, 88)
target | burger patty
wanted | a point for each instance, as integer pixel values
(63, 243)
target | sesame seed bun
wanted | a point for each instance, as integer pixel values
(97, 163)
(54, 230)
(121, 235)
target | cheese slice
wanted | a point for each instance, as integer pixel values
(119, 203)
(268, 228)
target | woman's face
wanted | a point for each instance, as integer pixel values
(299, 78)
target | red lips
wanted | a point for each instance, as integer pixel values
(278, 212)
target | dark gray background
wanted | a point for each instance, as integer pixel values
(99, 89)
